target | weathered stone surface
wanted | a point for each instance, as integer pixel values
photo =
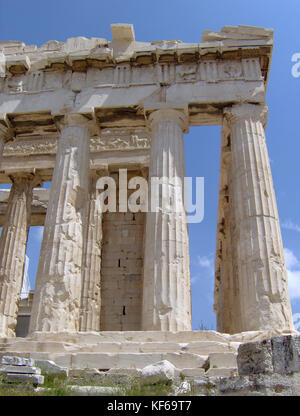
(56, 304)
(19, 369)
(251, 226)
(221, 372)
(286, 354)
(279, 355)
(93, 390)
(222, 360)
(92, 350)
(185, 360)
(49, 367)
(234, 384)
(183, 389)
(145, 336)
(161, 372)
(122, 267)
(255, 358)
(90, 317)
(192, 372)
(13, 360)
(166, 300)
(24, 378)
(110, 272)
(208, 347)
(4, 136)
(13, 242)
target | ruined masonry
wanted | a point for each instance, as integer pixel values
(113, 289)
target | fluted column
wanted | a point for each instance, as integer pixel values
(166, 289)
(223, 274)
(91, 262)
(13, 248)
(56, 302)
(256, 243)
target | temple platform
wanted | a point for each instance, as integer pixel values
(191, 352)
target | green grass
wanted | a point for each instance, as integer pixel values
(136, 388)
(56, 385)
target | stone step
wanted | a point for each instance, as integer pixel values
(144, 336)
(125, 336)
(86, 338)
(221, 372)
(223, 360)
(194, 347)
(105, 361)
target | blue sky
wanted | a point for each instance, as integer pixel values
(35, 22)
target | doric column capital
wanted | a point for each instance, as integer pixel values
(100, 171)
(77, 120)
(169, 114)
(23, 178)
(6, 133)
(246, 111)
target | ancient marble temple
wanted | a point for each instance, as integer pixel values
(76, 111)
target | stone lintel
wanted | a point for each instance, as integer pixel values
(124, 110)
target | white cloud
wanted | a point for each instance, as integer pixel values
(294, 283)
(293, 271)
(290, 225)
(292, 263)
(296, 319)
(194, 279)
(207, 262)
(290, 258)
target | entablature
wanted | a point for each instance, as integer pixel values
(117, 79)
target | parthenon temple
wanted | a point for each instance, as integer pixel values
(76, 111)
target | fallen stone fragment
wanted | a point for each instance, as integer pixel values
(94, 390)
(160, 372)
(34, 379)
(24, 369)
(13, 360)
(49, 367)
(183, 389)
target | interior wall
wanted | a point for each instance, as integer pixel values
(122, 271)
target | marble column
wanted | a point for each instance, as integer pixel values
(256, 245)
(13, 249)
(166, 286)
(56, 303)
(226, 297)
(91, 261)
